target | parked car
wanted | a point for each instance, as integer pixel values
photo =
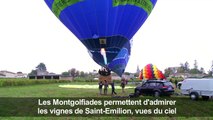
(155, 88)
(197, 87)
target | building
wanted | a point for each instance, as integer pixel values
(47, 76)
(41, 74)
(183, 75)
(51, 76)
(2, 75)
(21, 75)
(8, 74)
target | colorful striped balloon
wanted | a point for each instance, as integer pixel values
(150, 72)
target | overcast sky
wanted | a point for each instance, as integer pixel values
(176, 31)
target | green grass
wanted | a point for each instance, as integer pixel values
(52, 90)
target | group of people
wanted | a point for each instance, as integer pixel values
(105, 81)
(106, 84)
(104, 71)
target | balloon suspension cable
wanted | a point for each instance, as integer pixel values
(103, 53)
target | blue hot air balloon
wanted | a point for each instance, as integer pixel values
(105, 27)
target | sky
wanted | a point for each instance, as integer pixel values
(175, 32)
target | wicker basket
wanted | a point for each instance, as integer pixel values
(107, 78)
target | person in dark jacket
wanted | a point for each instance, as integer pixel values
(100, 87)
(113, 88)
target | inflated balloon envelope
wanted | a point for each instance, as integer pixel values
(104, 24)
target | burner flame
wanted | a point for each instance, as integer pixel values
(103, 53)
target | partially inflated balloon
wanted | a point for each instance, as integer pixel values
(151, 72)
(104, 24)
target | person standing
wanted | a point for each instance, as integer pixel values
(123, 83)
(176, 83)
(105, 87)
(100, 87)
(113, 88)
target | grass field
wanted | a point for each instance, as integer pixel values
(53, 90)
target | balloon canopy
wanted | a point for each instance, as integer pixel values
(105, 27)
(150, 72)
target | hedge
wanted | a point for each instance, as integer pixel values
(25, 81)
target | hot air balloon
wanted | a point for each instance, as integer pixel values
(151, 72)
(105, 27)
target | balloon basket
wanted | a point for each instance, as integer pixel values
(107, 78)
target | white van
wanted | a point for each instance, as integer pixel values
(197, 87)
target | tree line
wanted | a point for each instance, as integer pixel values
(41, 67)
(185, 68)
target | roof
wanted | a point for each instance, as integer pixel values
(5, 71)
(2, 74)
(46, 75)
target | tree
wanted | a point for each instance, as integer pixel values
(41, 67)
(82, 74)
(195, 65)
(33, 72)
(210, 73)
(168, 72)
(73, 72)
(65, 73)
(86, 74)
(181, 69)
(202, 71)
(77, 73)
(127, 73)
(194, 71)
(186, 67)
